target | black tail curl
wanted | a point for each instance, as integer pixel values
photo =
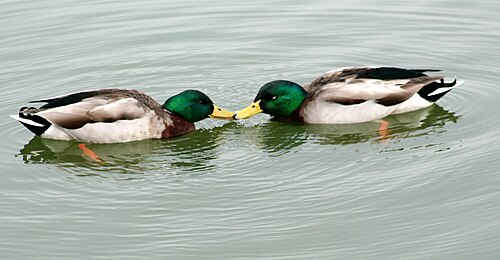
(428, 89)
(36, 129)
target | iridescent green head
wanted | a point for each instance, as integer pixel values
(194, 106)
(276, 98)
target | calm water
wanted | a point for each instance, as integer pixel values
(253, 189)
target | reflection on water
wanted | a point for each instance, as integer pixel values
(256, 189)
(277, 138)
(417, 123)
(188, 153)
(195, 152)
(118, 158)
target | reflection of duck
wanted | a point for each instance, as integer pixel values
(40, 150)
(422, 121)
(351, 95)
(276, 138)
(186, 153)
(195, 151)
(118, 115)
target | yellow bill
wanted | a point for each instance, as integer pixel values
(221, 113)
(249, 111)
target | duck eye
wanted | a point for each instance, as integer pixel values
(274, 97)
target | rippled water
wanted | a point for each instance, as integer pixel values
(254, 189)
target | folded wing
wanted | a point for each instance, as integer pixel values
(75, 110)
(385, 86)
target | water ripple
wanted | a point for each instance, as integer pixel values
(425, 188)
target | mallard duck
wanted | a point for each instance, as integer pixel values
(349, 95)
(117, 115)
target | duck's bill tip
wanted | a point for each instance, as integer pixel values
(249, 111)
(221, 113)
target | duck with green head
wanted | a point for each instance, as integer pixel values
(349, 95)
(118, 115)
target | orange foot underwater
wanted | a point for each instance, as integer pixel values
(91, 154)
(383, 130)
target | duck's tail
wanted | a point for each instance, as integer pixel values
(36, 124)
(436, 90)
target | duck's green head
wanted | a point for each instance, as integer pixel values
(276, 98)
(194, 106)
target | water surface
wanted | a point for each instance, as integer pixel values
(254, 189)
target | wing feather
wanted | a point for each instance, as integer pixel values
(357, 91)
(407, 90)
(357, 85)
(122, 109)
(102, 108)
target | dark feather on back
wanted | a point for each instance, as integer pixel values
(389, 73)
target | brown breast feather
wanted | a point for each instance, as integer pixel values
(178, 126)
